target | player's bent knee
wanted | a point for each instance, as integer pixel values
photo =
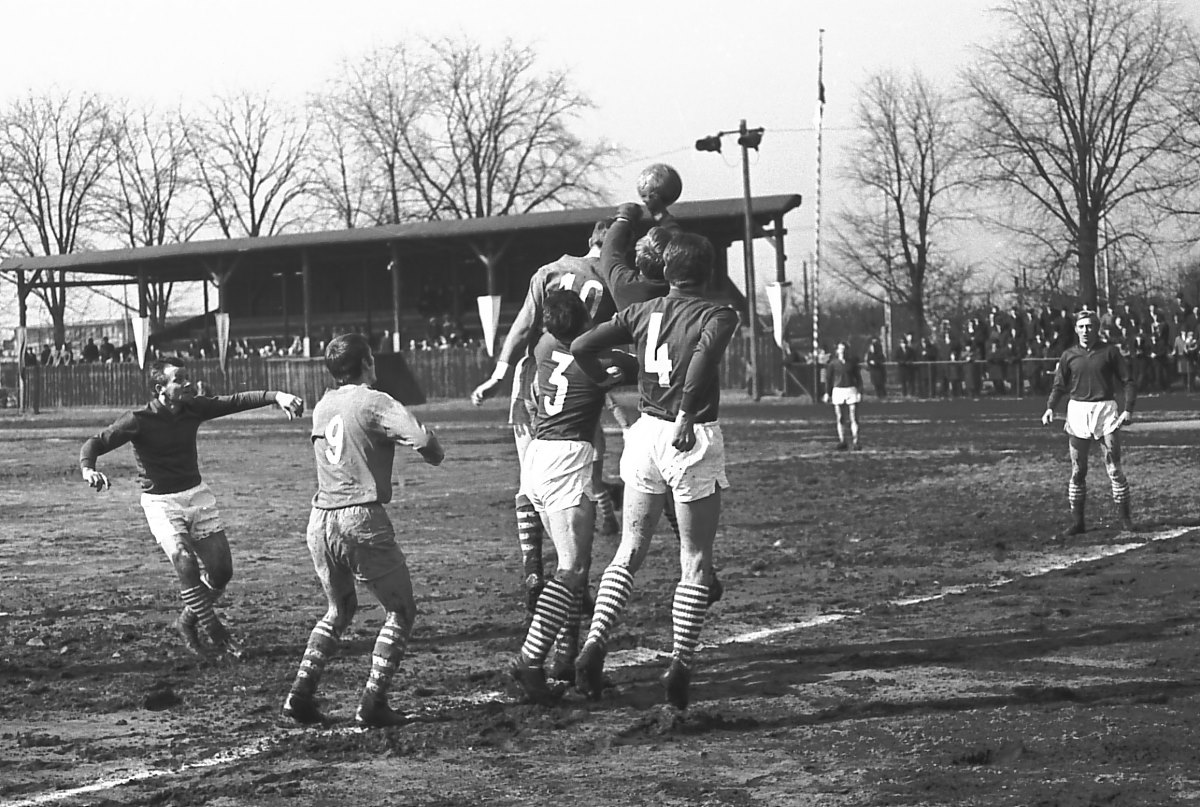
(572, 578)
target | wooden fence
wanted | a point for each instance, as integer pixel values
(442, 375)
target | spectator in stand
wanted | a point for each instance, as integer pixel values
(974, 354)
(1185, 351)
(949, 354)
(1140, 358)
(877, 367)
(1159, 333)
(906, 358)
(997, 362)
(108, 351)
(926, 375)
(46, 356)
(90, 353)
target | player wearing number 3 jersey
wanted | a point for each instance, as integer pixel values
(355, 432)
(674, 448)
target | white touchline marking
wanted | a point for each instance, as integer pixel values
(622, 658)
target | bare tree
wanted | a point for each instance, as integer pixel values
(369, 120)
(153, 198)
(496, 138)
(57, 150)
(1075, 112)
(253, 162)
(906, 170)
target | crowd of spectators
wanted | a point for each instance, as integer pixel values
(1016, 350)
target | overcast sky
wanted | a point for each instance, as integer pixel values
(661, 74)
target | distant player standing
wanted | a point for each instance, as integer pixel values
(355, 432)
(577, 274)
(180, 508)
(845, 393)
(1089, 374)
(675, 448)
(556, 477)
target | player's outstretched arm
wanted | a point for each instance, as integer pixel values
(292, 405)
(116, 435)
(588, 347)
(515, 341)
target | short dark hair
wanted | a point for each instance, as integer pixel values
(564, 314)
(158, 370)
(688, 260)
(599, 231)
(649, 252)
(345, 354)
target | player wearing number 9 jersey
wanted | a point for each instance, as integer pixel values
(556, 477)
(676, 448)
(355, 432)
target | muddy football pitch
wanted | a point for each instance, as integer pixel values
(901, 626)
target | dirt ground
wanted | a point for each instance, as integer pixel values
(900, 627)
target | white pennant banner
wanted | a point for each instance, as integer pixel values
(779, 296)
(222, 321)
(141, 338)
(489, 317)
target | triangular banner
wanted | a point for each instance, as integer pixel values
(141, 338)
(489, 317)
(222, 321)
(21, 337)
(779, 295)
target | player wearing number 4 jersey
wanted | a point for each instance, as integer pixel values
(556, 477)
(675, 448)
(355, 432)
(576, 274)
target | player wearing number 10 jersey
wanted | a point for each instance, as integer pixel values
(354, 435)
(676, 448)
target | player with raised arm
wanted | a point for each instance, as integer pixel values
(355, 432)
(674, 449)
(577, 274)
(1088, 375)
(180, 508)
(556, 477)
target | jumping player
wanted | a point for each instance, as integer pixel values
(556, 477)
(845, 393)
(1089, 374)
(675, 448)
(355, 432)
(180, 508)
(577, 274)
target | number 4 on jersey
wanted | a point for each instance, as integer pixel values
(657, 359)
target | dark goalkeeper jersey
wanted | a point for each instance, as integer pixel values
(164, 443)
(355, 431)
(680, 340)
(1092, 375)
(569, 402)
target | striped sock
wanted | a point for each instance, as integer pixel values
(322, 643)
(687, 614)
(530, 535)
(554, 608)
(199, 600)
(1077, 494)
(389, 649)
(566, 645)
(1120, 492)
(606, 513)
(616, 586)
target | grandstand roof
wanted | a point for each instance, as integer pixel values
(518, 238)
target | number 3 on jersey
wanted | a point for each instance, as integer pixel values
(657, 360)
(559, 380)
(333, 440)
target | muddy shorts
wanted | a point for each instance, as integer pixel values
(651, 464)
(190, 513)
(359, 538)
(557, 474)
(1091, 420)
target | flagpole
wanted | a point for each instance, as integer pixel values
(816, 273)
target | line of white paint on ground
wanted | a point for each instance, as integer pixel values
(624, 658)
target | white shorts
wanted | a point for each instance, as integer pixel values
(1091, 420)
(650, 463)
(557, 474)
(191, 513)
(841, 396)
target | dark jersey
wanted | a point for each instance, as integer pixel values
(354, 435)
(844, 373)
(624, 283)
(164, 443)
(1092, 375)
(569, 403)
(679, 341)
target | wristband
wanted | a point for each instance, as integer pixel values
(500, 371)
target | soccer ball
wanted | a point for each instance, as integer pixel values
(662, 181)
